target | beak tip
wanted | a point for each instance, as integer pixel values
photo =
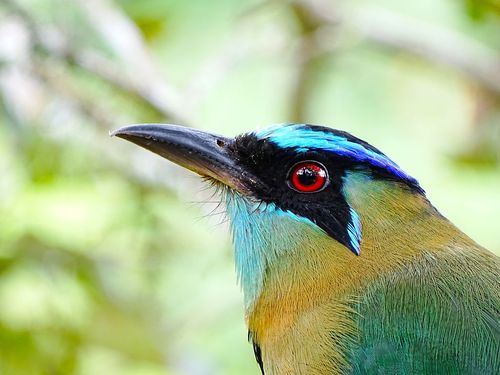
(120, 132)
(116, 133)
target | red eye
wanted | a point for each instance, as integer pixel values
(308, 177)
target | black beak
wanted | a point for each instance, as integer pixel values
(201, 152)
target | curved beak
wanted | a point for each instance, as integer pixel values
(204, 153)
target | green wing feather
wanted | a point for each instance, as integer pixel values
(438, 316)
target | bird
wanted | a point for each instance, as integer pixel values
(345, 265)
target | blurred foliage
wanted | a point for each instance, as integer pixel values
(479, 9)
(106, 267)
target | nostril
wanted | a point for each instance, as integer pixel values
(220, 143)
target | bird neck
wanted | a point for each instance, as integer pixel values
(397, 224)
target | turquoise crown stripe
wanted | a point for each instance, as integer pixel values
(303, 138)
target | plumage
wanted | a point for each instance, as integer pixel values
(362, 276)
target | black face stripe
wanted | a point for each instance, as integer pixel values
(326, 208)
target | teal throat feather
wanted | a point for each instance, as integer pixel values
(261, 233)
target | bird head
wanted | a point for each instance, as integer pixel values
(286, 184)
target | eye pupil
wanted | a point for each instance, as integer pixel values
(308, 177)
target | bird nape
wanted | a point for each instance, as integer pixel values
(345, 266)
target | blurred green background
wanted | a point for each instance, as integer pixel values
(113, 261)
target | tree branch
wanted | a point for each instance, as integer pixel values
(430, 42)
(151, 90)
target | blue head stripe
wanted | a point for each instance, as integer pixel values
(304, 138)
